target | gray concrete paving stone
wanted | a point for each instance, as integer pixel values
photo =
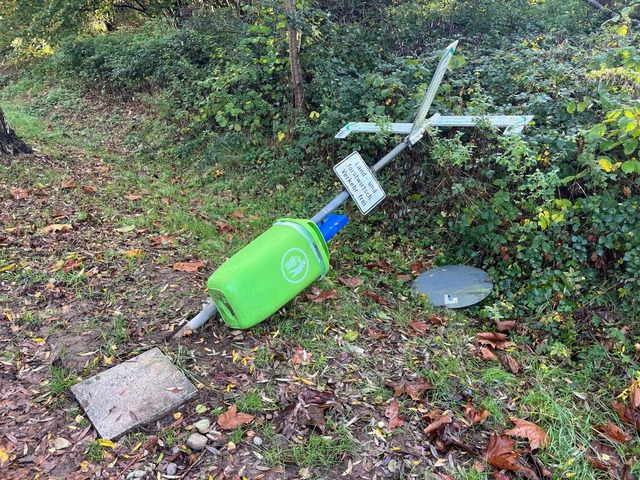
(134, 393)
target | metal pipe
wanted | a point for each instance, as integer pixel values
(207, 312)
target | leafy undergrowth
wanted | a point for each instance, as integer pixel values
(104, 256)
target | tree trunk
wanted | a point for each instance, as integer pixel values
(294, 56)
(10, 143)
(597, 5)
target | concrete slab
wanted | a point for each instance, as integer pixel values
(133, 393)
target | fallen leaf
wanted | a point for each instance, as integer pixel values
(537, 436)
(499, 454)
(613, 433)
(418, 326)
(379, 264)
(404, 278)
(505, 326)
(418, 267)
(351, 335)
(606, 458)
(475, 415)
(376, 333)
(627, 414)
(19, 193)
(414, 388)
(126, 229)
(392, 414)
(352, 282)
(4, 456)
(300, 355)
(71, 264)
(495, 339)
(133, 198)
(436, 320)
(71, 183)
(88, 189)
(103, 442)
(488, 354)
(510, 364)
(57, 227)
(377, 298)
(318, 296)
(436, 419)
(188, 266)
(160, 239)
(223, 227)
(233, 419)
(136, 252)
(237, 214)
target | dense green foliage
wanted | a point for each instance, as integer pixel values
(552, 214)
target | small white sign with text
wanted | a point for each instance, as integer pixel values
(360, 182)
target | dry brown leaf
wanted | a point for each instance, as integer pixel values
(377, 298)
(419, 327)
(488, 354)
(71, 264)
(436, 320)
(475, 415)
(505, 326)
(237, 214)
(56, 227)
(71, 183)
(436, 419)
(606, 458)
(510, 364)
(613, 433)
(189, 267)
(19, 193)
(88, 189)
(352, 282)
(379, 264)
(223, 227)
(495, 339)
(300, 356)
(499, 454)
(414, 388)
(318, 296)
(233, 419)
(160, 239)
(133, 198)
(537, 436)
(392, 414)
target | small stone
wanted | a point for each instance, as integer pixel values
(202, 425)
(61, 443)
(257, 441)
(172, 469)
(129, 475)
(196, 441)
(139, 473)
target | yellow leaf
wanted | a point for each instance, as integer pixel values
(4, 456)
(136, 252)
(56, 227)
(9, 268)
(103, 442)
(281, 136)
(606, 165)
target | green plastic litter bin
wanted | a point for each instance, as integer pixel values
(266, 274)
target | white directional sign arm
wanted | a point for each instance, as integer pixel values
(512, 123)
(369, 127)
(433, 86)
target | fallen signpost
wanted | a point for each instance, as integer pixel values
(271, 270)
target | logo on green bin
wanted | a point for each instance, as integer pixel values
(295, 265)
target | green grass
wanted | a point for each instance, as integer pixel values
(61, 380)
